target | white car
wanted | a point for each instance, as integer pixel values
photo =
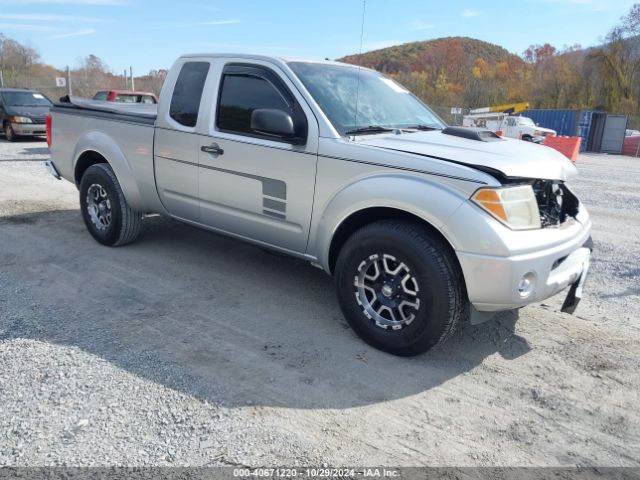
(632, 133)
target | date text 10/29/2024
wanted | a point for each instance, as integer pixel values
(316, 472)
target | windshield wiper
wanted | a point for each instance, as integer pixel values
(369, 129)
(421, 127)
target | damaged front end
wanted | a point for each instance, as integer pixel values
(555, 201)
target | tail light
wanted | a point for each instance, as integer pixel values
(49, 133)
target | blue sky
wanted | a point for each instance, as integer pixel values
(151, 34)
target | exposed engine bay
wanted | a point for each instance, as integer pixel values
(556, 202)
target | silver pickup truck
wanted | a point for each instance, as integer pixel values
(423, 226)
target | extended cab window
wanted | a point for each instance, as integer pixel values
(187, 93)
(241, 95)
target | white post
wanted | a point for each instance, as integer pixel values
(133, 84)
(69, 81)
(1, 80)
(126, 80)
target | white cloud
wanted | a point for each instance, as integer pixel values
(221, 22)
(78, 33)
(592, 5)
(65, 2)
(27, 27)
(47, 18)
(470, 13)
(420, 25)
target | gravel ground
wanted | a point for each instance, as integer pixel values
(187, 348)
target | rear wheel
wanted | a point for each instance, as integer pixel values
(9, 133)
(399, 287)
(105, 211)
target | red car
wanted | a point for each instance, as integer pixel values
(125, 96)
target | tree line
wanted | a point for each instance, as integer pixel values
(468, 73)
(458, 72)
(21, 66)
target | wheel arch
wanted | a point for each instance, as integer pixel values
(420, 199)
(366, 216)
(84, 161)
(97, 147)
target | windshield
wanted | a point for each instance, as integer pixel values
(25, 99)
(380, 101)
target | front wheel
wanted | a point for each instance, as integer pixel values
(400, 287)
(9, 133)
(105, 211)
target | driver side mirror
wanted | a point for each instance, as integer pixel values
(274, 122)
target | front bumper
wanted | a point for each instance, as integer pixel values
(494, 259)
(29, 128)
(493, 283)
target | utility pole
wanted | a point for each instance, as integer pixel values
(133, 84)
(126, 80)
(69, 81)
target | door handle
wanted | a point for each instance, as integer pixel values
(213, 149)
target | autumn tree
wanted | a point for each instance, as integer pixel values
(619, 63)
(16, 62)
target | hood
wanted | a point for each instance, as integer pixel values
(548, 130)
(511, 157)
(38, 113)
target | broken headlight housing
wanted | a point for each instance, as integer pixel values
(515, 206)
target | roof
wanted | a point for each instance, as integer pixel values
(269, 58)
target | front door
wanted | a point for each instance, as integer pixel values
(511, 129)
(251, 183)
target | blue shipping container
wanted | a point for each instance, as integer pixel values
(564, 122)
(584, 128)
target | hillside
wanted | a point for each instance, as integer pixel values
(451, 53)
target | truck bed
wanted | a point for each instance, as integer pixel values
(133, 113)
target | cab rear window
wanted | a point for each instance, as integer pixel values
(187, 93)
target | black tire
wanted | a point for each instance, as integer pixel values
(9, 134)
(527, 138)
(124, 224)
(440, 287)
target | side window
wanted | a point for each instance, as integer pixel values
(241, 95)
(102, 96)
(187, 93)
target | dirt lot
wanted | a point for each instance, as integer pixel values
(187, 348)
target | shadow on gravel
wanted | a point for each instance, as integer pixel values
(34, 151)
(215, 318)
(21, 139)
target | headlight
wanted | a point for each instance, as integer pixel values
(537, 133)
(17, 119)
(516, 207)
